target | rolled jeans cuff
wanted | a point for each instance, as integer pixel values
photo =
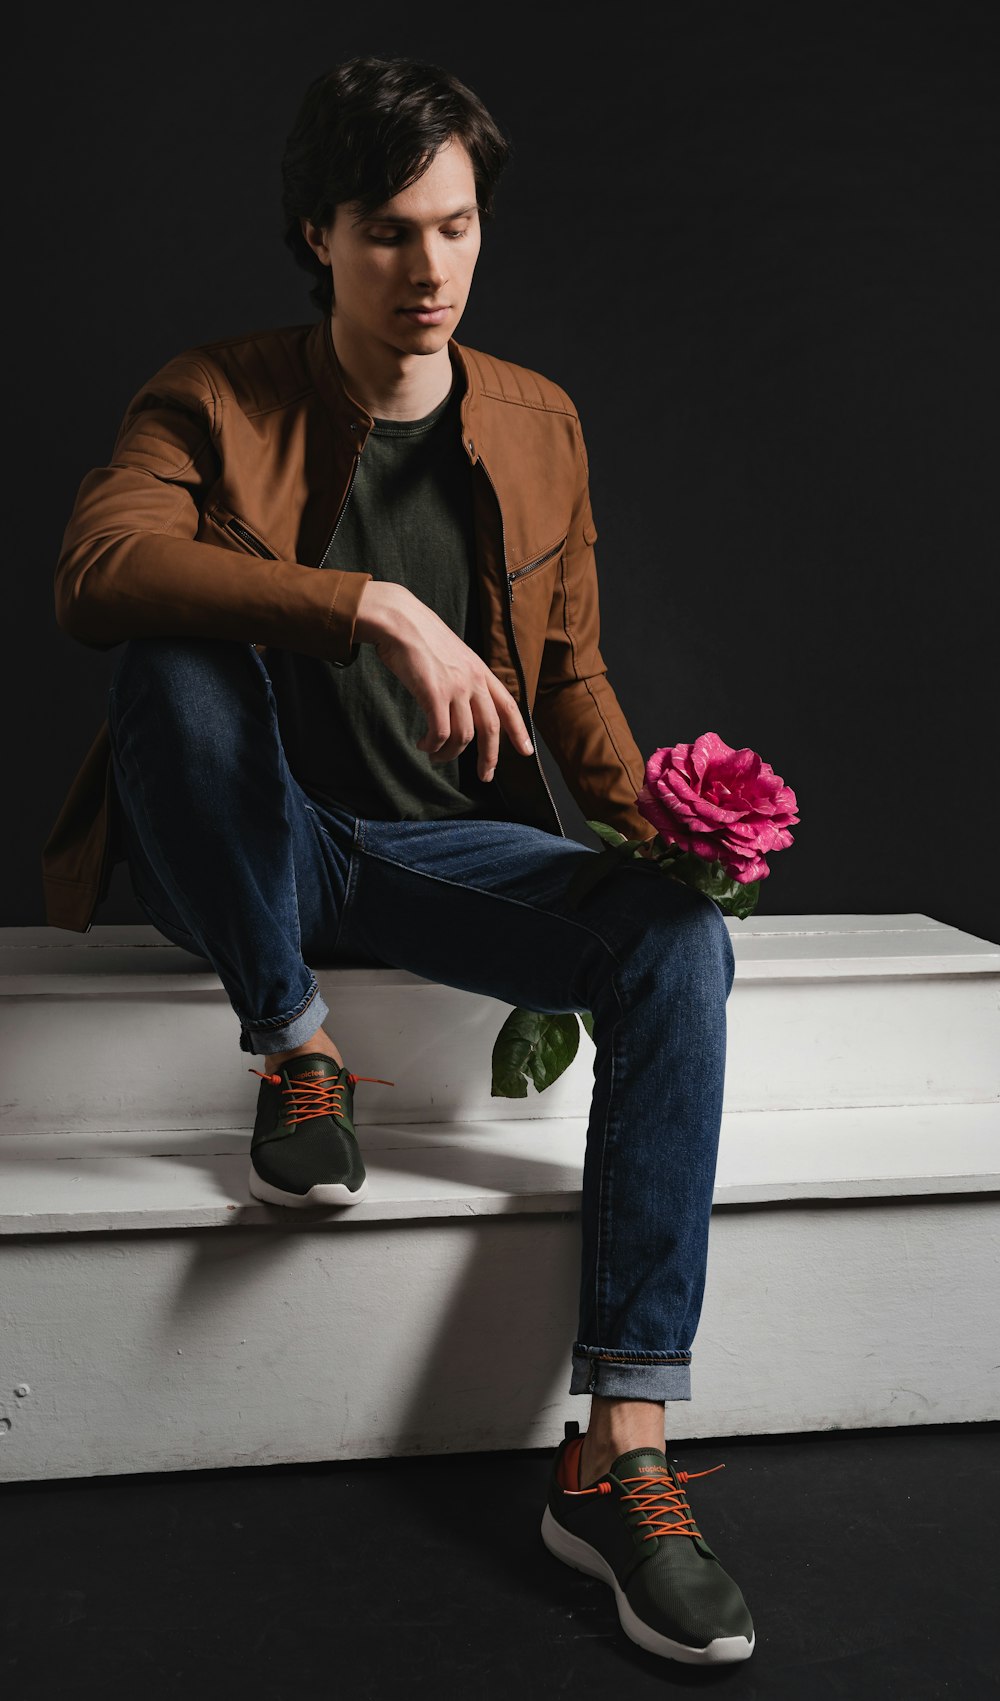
(631, 1376)
(285, 1033)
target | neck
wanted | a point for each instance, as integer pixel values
(390, 385)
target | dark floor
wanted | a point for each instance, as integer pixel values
(870, 1560)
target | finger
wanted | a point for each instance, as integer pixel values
(516, 729)
(462, 733)
(438, 715)
(456, 728)
(510, 715)
(488, 732)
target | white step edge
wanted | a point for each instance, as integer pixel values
(52, 1184)
(50, 960)
(863, 1034)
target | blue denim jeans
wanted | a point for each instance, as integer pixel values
(231, 860)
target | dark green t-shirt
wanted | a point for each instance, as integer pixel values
(350, 733)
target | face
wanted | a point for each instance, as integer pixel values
(417, 251)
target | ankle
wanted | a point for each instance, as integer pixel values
(616, 1426)
(596, 1459)
(320, 1042)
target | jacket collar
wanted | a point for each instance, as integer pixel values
(354, 421)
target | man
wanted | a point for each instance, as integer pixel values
(352, 567)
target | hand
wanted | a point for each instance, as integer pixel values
(460, 696)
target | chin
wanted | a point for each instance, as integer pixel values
(423, 339)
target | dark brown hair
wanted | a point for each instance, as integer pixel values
(366, 130)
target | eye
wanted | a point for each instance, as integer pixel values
(397, 237)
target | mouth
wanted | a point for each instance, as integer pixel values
(425, 315)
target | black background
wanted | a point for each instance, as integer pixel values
(757, 245)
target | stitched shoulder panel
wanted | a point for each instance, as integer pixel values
(503, 380)
(184, 381)
(263, 370)
(175, 416)
(171, 420)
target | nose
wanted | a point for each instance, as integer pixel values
(429, 269)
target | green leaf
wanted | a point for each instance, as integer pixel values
(587, 1020)
(533, 1045)
(610, 835)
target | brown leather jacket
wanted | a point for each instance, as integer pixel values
(229, 473)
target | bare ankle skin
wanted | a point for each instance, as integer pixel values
(616, 1426)
(320, 1041)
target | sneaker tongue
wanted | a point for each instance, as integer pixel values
(311, 1063)
(641, 1461)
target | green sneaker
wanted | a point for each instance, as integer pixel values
(304, 1149)
(634, 1530)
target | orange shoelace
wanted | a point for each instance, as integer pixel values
(661, 1499)
(315, 1096)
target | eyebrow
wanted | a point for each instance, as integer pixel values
(387, 218)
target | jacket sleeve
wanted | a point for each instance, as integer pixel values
(576, 709)
(132, 566)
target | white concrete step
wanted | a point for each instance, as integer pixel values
(76, 1184)
(124, 1350)
(826, 1011)
(854, 1259)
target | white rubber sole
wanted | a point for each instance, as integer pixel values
(572, 1550)
(323, 1193)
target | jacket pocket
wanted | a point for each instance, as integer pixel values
(237, 530)
(520, 573)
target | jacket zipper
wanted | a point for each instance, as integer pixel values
(248, 538)
(342, 509)
(530, 568)
(514, 649)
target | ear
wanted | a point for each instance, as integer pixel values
(313, 234)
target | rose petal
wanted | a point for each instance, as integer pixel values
(695, 803)
(709, 748)
(718, 803)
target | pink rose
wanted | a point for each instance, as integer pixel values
(722, 804)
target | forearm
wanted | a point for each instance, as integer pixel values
(150, 586)
(131, 567)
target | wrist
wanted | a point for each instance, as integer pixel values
(378, 610)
